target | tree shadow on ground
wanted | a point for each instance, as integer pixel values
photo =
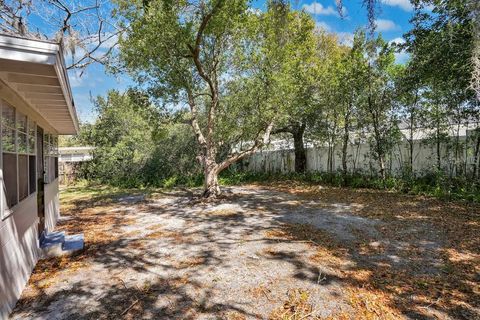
(412, 270)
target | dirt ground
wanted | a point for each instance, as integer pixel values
(268, 252)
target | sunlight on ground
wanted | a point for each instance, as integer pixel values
(277, 252)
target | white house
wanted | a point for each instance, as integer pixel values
(36, 106)
(75, 154)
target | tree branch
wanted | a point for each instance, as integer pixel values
(260, 141)
(286, 129)
(194, 120)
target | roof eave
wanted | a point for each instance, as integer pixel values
(41, 52)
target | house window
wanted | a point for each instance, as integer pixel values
(32, 156)
(18, 156)
(50, 149)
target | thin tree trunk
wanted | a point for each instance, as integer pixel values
(457, 148)
(345, 146)
(300, 152)
(381, 163)
(439, 159)
(475, 158)
(410, 141)
(378, 147)
(330, 157)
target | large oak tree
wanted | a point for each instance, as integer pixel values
(228, 65)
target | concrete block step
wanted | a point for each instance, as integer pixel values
(55, 244)
(73, 243)
(51, 244)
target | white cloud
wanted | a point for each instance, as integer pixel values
(76, 78)
(403, 4)
(323, 25)
(398, 40)
(401, 56)
(386, 25)
(255, 11)
(318, 8)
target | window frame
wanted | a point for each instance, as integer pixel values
(5, 211)
(50, 153)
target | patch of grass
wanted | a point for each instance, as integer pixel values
(296, 307)
(368, 304)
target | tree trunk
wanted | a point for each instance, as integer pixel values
(457, 149)
(210, 184)
(475, 158)
(345, 147)
(439, 157)
(212, 169)
(381, 163)
(410, 141)
(300, 152)
(330, 158)
(211, 188)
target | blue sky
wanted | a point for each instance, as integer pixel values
(392, 22)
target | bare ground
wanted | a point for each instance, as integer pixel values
(267, 252)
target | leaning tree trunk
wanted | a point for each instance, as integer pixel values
(212, 169)
(300, 152)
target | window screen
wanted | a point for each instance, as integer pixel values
(55, 165)
(18, 154)
(51, 169)
(32, 174)
(50, 149)
(22, 177)
(10, 178)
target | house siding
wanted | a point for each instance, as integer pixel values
(19, 245)
(18, 252)
(20, 60)
(19, 241)
(52, 205)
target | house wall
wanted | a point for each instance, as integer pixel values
(19, 243)
(18, 251)
(52, 205)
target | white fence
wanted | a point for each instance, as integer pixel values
(360, 159)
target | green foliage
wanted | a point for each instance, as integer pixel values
(173, 159)
(122, 140)
(232, 72)
(136, 145)
(236, 72)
